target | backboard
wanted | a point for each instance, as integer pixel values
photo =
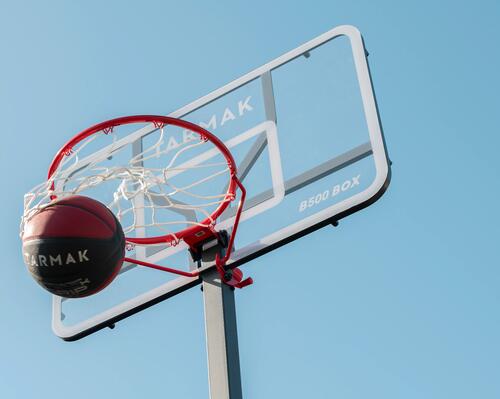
(305, 133)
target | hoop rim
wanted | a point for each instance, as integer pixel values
(159, 121)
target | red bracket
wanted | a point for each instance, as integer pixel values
(234, 278)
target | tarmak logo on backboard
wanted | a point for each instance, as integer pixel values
(229, 114)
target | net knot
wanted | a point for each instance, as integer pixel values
(173, 240)
(129, 246)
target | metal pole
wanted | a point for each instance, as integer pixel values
(221, 334)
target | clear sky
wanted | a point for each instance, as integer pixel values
(400, 301)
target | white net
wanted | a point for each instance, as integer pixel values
(157, 180)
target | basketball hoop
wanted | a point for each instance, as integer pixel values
(139, 195)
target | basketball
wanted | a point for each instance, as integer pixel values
(74, 247)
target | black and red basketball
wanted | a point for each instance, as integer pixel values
(74, 247)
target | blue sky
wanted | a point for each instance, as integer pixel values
(400, 301)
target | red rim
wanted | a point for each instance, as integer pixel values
(160, 121)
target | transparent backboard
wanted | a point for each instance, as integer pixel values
(305, 133)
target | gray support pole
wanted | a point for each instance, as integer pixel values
(222, 338)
